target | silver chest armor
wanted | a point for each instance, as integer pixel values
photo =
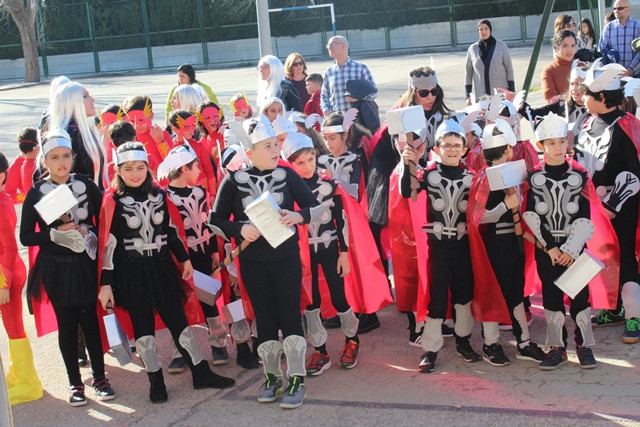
(557, 201)
(592, 152)
(255, 185)
(193, 211)
(80, 212)
(143, 218)
(323, 231)
(341, 169)
(448, 201)
(579, 116)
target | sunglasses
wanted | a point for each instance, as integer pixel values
(298, 64)
(570, 24)
(423, 93)
(620, 8)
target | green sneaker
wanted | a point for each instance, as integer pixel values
(295, 393)
(631, 333)
(608, 318)
(270, 389)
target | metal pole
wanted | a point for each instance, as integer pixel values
(536, 48)
(203, 39)
(601, 12)
(264, 28)
(452, 25)
(92, 36)
(147, 37)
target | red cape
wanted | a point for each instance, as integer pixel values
(488, 303)
(604, 288)
(191, 307)
(366, 286)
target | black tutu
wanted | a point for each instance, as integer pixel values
(69, 280)
(144, 280)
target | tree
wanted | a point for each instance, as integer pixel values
(24, 14)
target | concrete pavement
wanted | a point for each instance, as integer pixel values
(385, 387)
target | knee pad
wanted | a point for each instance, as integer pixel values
(349, 323)
(317, 333)
(217, 332)
(241, 331)
(146, 349)
(270, 352)
(464, 320)
(491, 332)
(432, 339)
(583, 322)
(188, 342)
(555, 326)
(631, 300)
(521, 317)
(295, 348)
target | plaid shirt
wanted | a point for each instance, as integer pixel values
(335, 80)
(619, 37)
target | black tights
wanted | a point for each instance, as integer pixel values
(68, 320)
(329, 262)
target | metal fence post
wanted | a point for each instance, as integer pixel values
(536, 48)
(147, 37)
(42, 41)
(452, 25)
(203, 39)
(523, 28)
(92, 36)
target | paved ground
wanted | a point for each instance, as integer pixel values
(385, 388)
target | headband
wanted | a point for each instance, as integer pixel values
(131, 156)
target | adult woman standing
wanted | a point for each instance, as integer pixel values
(555, 76)
(271, 83)
(488, 65)
(187, 76)
(72, 110)
(295, 70)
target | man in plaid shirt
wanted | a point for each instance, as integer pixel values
(618, 35)
(332, 98)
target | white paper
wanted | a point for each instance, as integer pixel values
(118, 340)
(404, 120)
(233, 312)
(263, 213)
(581, 272)
(207, 288)
(55, 204)
(507, 175)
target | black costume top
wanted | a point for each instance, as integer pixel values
(240, 188)
(345, 169)
(330, 233)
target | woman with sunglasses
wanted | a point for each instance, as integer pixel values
(488, 65)
(295, 70)
(566, 22)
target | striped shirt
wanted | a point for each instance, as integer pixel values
(619, 37)
(334, 84)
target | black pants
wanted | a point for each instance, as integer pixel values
(449, 269)
(624, 224)
(507, 261)
(68, 320)
(553, 296)
(274, 291)
(329, 262)
(172, 314)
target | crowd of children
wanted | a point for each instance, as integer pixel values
(290, 210)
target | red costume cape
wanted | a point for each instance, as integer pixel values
(488, 303)
(408, 245)
(604, 288)
(191, 307)
(366, 286)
